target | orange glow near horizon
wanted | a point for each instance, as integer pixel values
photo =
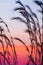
(22, 53)
(21, 49)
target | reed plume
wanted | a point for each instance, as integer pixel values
(9, 43)
(33, 27)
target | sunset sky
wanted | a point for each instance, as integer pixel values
(17, 28)
(6, 13)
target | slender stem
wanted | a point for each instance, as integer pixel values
(42, 38)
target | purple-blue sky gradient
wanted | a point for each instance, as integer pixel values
(6, 13)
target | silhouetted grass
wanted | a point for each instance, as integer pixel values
(4, 57)
(34, 29)
(5, 54)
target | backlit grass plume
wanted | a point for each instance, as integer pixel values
(33, 29)
(5, 43)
